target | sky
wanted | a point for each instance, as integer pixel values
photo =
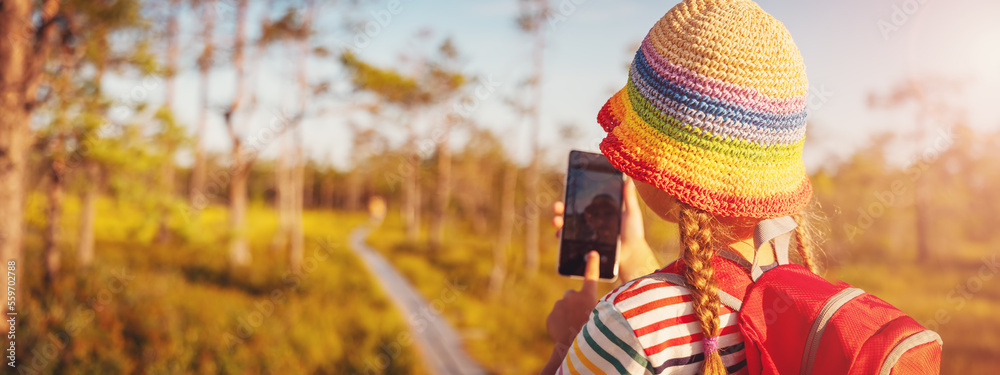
(852, 48)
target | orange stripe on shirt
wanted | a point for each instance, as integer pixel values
(583, 359)
(655, 305)
(570, 367)
(636, 291)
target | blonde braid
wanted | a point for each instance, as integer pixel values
(803, 242)
(696, 240)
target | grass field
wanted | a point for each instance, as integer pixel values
(507, 334)
(176, 309)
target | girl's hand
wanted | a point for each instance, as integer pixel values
(637, 257)
(571, 312)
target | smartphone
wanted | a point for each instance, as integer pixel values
(593, 214)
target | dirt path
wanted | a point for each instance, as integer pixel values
(438, 343)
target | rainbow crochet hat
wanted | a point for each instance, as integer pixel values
(714, 111)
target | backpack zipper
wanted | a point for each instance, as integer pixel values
(831, 307)
(915, 340)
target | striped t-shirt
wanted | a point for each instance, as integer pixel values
(648, 326)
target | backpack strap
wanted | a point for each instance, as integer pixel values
(779, 230)
(735, 258)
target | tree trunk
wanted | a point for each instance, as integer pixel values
(443, 189)
(15, 131)
(471, 204)
(289, 175)
(353, 190)
(167, 175)
(57, 182)
(531, 184)
(308, 187)
(283, 190)
(14, 144)
(506, 230)
(88, 213)
(52, 255)
(531, 218)
(296, 249)
(167, 170)
(196, 193)
(239, 250)
(411, 195)
(172, 52)
(22, 55)
(477, 207)
(326, 191)
(921, 207)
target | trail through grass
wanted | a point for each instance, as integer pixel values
(176, 308)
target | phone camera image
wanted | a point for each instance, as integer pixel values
(592, 217)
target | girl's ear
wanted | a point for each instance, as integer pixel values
(664, 205)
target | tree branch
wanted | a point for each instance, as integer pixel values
(43, 48)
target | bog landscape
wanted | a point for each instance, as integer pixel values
(181, 181)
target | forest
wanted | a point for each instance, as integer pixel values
(140, 249)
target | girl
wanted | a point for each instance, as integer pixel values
(710, 126)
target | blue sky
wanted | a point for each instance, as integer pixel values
(846, 52)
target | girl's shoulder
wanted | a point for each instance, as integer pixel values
(661, 317)
(645, 290)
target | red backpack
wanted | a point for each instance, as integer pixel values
(795, 322)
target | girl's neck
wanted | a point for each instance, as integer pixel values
(745, 249)
(738, 234)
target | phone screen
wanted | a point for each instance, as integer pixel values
(592, 218)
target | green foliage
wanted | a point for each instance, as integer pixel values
(388, 84)
(96, 23)
(440, 80)
(176, 308)
(171, 133)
